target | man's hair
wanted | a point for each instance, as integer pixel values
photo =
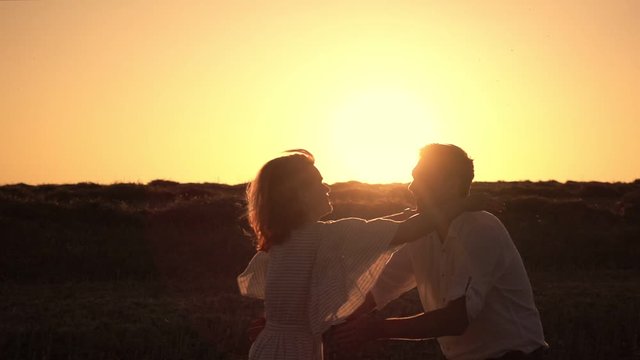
(451, 161)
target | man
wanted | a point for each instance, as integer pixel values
(472, 283)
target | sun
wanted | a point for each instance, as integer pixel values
(377, 133)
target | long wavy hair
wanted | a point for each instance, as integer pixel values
(273, 198)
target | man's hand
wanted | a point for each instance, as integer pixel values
(255, 328)
(352, 335)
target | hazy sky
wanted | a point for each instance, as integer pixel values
(207, 91)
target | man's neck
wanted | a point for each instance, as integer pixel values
(443, 230)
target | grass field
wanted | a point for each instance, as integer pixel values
(131, 271)
(586, 316)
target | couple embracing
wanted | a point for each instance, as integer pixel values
(326, 277)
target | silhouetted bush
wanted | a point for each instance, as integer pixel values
(95, 271)
(597, 189)
(631, 205)
(197, 231)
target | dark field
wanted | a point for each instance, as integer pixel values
(130, 271)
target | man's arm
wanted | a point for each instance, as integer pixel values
(448, 321)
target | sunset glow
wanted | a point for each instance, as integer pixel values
(208, 91)
(375, 132)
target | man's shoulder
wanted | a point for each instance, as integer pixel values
(478, 219)
(480, 227)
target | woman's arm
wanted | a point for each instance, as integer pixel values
(401, 216)
(423, 223)
(419, 225)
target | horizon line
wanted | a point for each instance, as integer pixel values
(637, 180)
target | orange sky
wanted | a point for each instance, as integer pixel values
(204, 91)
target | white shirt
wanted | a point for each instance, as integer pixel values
(478, 260)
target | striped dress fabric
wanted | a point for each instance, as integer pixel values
(314, 280)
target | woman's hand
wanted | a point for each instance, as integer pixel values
(430, 216)
(255, 328)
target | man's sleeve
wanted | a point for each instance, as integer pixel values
(480, 258)
(396, 279)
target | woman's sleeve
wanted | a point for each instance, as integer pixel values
(397, 278)
(253, 280)
(351, 256)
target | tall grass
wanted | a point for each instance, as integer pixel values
(132, 271)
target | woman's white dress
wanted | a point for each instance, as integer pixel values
(312, 281)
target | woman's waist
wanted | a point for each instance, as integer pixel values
(287, 326)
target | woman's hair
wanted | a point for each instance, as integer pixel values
(273, 197)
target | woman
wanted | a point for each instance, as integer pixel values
(313, 274)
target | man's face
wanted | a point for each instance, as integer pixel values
(430, 186)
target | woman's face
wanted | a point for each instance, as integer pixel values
(315, 195)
